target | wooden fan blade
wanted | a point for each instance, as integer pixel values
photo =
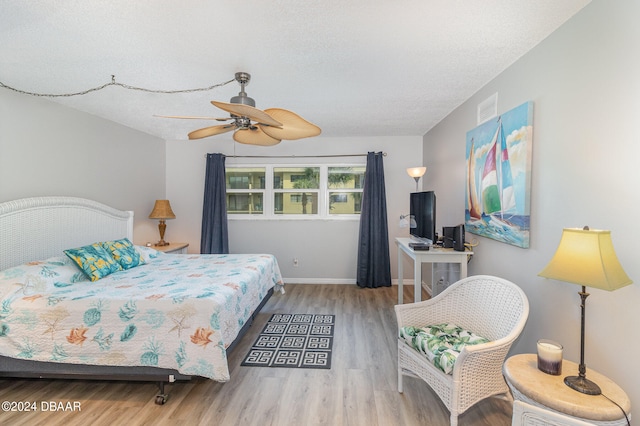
(254, 136)
(211, 131)
(293, 126)
(248, 111)
(191, 117)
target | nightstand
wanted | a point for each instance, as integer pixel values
(174, 248)
(556, 403)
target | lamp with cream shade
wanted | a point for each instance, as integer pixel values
(586, 257)
(416, 173)
(162, 210)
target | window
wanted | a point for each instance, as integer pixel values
(315, 191)
(345, 186)
(245, 190)
(287, 183)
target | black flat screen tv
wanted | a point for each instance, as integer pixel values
(422, 208)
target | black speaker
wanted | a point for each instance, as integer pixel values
(453, 237)
(458, 238)
(447, 236)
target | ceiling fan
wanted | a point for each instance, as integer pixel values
(251, 125)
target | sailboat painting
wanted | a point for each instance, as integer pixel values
(499, 177)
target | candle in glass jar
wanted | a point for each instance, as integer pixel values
(550, 357)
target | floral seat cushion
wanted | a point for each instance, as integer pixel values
(440, 344)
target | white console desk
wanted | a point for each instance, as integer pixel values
(433, 255)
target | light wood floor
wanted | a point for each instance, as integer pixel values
(359, 389)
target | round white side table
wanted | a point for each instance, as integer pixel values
(547, 392)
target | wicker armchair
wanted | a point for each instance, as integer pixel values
(489, 306)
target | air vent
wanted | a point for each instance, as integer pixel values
(488, 108)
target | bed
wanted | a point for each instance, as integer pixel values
(168, 317)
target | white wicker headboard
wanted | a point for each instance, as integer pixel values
(42, 227)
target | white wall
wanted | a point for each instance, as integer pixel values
(326, 249)
(50, 149)
(584, 81)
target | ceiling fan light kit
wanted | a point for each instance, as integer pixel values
(251, 125)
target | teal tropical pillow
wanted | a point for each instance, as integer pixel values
(441, 344)
(94, 261)
(124, 253)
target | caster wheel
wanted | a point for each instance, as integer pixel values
(161, 399)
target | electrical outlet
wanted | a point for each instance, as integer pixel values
(295, 261)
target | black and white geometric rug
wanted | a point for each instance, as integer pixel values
(293, 341)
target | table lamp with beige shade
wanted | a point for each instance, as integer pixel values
(162, 210)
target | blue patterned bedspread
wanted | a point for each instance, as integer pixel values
(176, 311)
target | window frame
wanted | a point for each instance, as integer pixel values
(269, 193)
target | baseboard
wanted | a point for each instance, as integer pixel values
(405, 281)
(319, 281)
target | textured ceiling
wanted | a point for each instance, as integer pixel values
(354, 68)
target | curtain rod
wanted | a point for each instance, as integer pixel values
(384, 154)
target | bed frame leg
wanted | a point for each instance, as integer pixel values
(161, 398)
